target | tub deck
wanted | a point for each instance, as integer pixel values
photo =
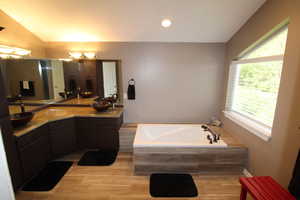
(230, 160)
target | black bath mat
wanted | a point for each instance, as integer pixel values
(48, 177)
(98, 158)
(172, 185)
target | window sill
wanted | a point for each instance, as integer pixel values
(253, 127)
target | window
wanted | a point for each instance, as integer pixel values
(253, 85)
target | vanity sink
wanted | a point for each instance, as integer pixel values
(21, 119)
(101, 106)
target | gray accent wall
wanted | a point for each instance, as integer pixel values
(175, 82)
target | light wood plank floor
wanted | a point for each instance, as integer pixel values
(118, 182)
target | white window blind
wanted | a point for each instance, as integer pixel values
(254, 80)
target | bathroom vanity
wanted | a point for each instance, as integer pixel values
(58, 131)
(64, 120)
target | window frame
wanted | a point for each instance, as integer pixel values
(255, 127)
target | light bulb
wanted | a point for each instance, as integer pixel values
(75, 55)
(166, 23)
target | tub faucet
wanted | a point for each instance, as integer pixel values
(210, 139)
(216, 136)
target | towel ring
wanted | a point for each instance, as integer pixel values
(131, 82)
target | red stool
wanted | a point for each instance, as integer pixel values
(263, 188)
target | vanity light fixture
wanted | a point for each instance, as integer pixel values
(15, 56)
(80, 55)
(89, 55)
(166, 23)
(76, 55)
(4, 56)
(65, 59)
(22, 52)
(6, 49)
(12, 52)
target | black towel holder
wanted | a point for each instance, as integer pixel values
(131, 89)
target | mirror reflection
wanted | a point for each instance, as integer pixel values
(38, 82)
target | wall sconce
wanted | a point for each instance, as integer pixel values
(12, 52)
(79, 55)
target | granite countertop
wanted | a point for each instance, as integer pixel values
(13, 109)
(75, 101)
(58, 113)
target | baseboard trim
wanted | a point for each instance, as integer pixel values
(247, 173)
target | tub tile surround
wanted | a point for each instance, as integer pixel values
(230, 160)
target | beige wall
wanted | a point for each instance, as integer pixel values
(175, 82)
(17, 36)
(276, 157)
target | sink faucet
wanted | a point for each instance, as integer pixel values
(22, 105)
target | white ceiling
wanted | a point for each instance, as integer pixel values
(132, 20)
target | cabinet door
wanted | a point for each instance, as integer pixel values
(84, 130)
(36, 153)
(3, 101)
(12, 155)
(98, 133)
(62, 137)
(109, 138)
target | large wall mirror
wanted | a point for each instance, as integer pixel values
(39, 82)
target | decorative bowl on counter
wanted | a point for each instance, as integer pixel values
(101, 106)
(86, 94)
(21, 119)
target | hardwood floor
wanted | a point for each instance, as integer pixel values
(118, 182)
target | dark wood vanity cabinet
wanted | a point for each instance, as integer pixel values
(98, 133)
(62, 137)
(50, 141)
(34, 150)
(3, 102)
(9, 141)
(11, 151)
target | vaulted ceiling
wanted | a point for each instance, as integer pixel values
(132, 20)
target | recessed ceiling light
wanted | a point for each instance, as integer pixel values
(166, 23)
